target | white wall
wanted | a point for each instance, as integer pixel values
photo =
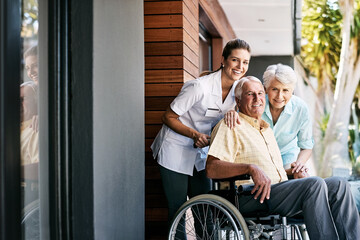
(118, 71)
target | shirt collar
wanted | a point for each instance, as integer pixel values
(258, 124)
(289, 107)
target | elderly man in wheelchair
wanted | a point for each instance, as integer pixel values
(266, 204)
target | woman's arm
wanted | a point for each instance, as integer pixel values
(303, 157)
(171, 119)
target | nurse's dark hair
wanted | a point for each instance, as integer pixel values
(235, 44)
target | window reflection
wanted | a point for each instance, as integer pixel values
(29, 137)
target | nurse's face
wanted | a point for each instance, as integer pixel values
(31, 67)
(236, 65)
(279, 94)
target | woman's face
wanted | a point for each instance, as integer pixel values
(279, 94)
(236, 65)
(31, 67)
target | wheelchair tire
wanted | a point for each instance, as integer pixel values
(215, 217)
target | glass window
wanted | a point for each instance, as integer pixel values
(205, 46)
(29, 127)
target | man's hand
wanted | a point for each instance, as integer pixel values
(262, 183)
(231, 118)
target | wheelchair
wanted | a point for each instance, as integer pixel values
(216, 216)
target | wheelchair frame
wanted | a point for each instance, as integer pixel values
(216, 216)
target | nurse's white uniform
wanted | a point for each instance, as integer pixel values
(200, 106)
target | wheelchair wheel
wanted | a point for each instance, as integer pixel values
(208, 216)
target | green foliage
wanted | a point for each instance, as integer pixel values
(323, 124)
(355, 28)
(321, 33)
(30, 23)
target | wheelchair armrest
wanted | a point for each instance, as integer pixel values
(233, 179)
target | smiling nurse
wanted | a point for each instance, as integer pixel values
(181, 145)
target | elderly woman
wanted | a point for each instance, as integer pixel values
(289, 118)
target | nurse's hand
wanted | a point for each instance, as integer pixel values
(201, 140)
(231, 118)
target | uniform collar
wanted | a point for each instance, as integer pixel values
(216, 88)
(258, 124)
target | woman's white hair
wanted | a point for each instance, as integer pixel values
(283, 73)
(242, 81)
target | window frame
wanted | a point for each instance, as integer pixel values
(10, 120)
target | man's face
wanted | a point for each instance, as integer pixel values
(28, 103)
(31, 67)
(252, 102)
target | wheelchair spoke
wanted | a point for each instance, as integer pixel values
(206, 218)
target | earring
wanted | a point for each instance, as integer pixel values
(222, 66)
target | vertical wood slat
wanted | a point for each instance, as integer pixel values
(171, 41)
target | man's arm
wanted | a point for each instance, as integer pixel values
(215, 168)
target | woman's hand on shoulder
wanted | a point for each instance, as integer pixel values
(231, 118)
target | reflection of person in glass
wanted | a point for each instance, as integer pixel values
(31, 63)
(29, 137)
(32, 71)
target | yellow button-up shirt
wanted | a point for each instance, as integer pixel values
(251, 142)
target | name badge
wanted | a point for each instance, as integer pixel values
(212, 112)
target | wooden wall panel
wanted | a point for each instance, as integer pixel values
(164, 90)
(163, 7)
(218, 19)
(163, 62)
(153, 117)
(191, 68)
(157, 103)
(192, 18)
(163, 21)
(190, 42)
(193, 32)
(171, 41)
(164, 48)
(163, 35)
(191, 56)
(151, 131)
